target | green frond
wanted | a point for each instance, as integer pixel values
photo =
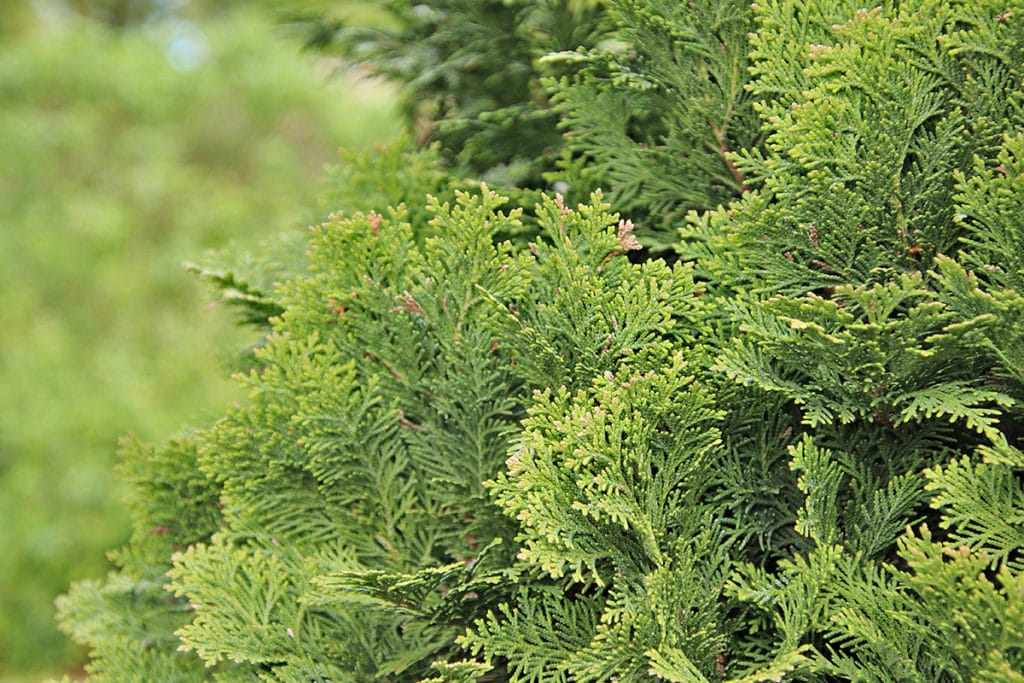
(982, 505)
(537, 635)
(243, 603)
(942, 618)
(458, 672)
(820, 478)
(991, 206)
(994, 316)
(606, 475)
(888, 353)
(658, 113)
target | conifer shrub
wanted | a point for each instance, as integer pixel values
(790, 453)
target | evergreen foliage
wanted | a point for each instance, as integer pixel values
(471, 71)
(790, 455)
(655, 115)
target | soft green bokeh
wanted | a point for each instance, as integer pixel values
(122, 155)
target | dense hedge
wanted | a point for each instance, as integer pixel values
(785, 450)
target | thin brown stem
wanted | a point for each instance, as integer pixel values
(724, 151)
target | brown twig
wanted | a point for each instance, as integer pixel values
(724, 151)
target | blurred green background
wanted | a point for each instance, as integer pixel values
(134, 135)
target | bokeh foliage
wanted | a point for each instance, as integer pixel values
(117, 167)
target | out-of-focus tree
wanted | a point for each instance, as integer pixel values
(118, 12)
(124, 154)
(14, 18)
